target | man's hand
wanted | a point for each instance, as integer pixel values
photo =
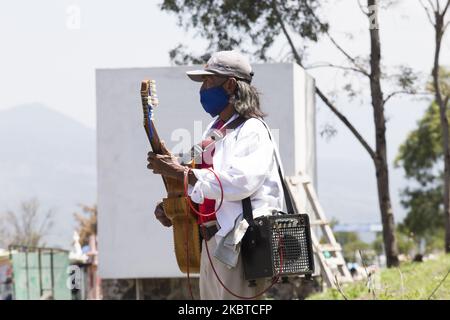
(161, 215)
(165, 164)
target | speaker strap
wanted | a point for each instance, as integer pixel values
(246, 203)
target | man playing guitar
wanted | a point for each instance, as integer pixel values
(243, 166)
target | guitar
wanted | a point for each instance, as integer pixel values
(185, 227)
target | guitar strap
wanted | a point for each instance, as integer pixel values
(215, 135)
(218, 134)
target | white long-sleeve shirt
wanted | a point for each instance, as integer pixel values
(245, 164)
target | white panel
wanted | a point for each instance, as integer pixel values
(304, 124)
(132, 244)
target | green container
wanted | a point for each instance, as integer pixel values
(41, 273)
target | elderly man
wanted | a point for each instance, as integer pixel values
(244, 163)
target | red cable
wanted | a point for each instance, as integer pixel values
(198, 213)
(280, 241)
(187, 255)
(189, 201)
(257, 295)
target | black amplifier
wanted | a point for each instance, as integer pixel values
(278, 245)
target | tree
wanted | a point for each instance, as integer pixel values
(228, 24)
(425, 212)
(351, 245)
(27, 227)
(405, 243)
(422, 158)
(442, 100)
(87, 223)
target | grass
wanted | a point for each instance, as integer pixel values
(411, 281)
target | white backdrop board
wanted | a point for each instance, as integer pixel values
(132, 243)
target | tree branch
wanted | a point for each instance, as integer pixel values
(393, 94)
(432, 6)
(446, 8)
(347, 123)
(319, 92)
(427, 12)
(353, 60)
(285, 32)
(348, 56)
(330, 65)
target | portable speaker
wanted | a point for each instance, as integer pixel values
(278, 245)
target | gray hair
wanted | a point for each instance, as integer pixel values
(246, 100)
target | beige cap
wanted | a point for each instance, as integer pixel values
(226, 63)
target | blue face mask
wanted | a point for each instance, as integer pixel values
(214, 100)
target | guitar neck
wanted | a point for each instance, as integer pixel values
(149, 126)
(153, 137)
(148, 91)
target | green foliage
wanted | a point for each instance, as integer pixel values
(377, 244)
(422, 149)
(421, 156)
(406, 243)
(435, 240)
(351, 245)
(422, 152)
(425, 215)
(412, 281)
(229, 24)
(444, 82)
(407, 78)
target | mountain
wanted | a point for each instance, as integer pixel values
(49, 156)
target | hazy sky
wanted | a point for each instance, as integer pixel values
(47, 57)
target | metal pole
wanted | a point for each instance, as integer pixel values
(52, 274)
(138, 290)
(85, 276)
(27, 273)
(12, 272)
(41, 289)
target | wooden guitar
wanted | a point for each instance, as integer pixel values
(175, 205)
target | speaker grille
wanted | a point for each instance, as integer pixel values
(290, 240)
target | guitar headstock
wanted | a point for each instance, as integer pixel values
(148, 92)
(149, 100)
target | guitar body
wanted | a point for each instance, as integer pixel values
(186, 233)
(184, 223)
